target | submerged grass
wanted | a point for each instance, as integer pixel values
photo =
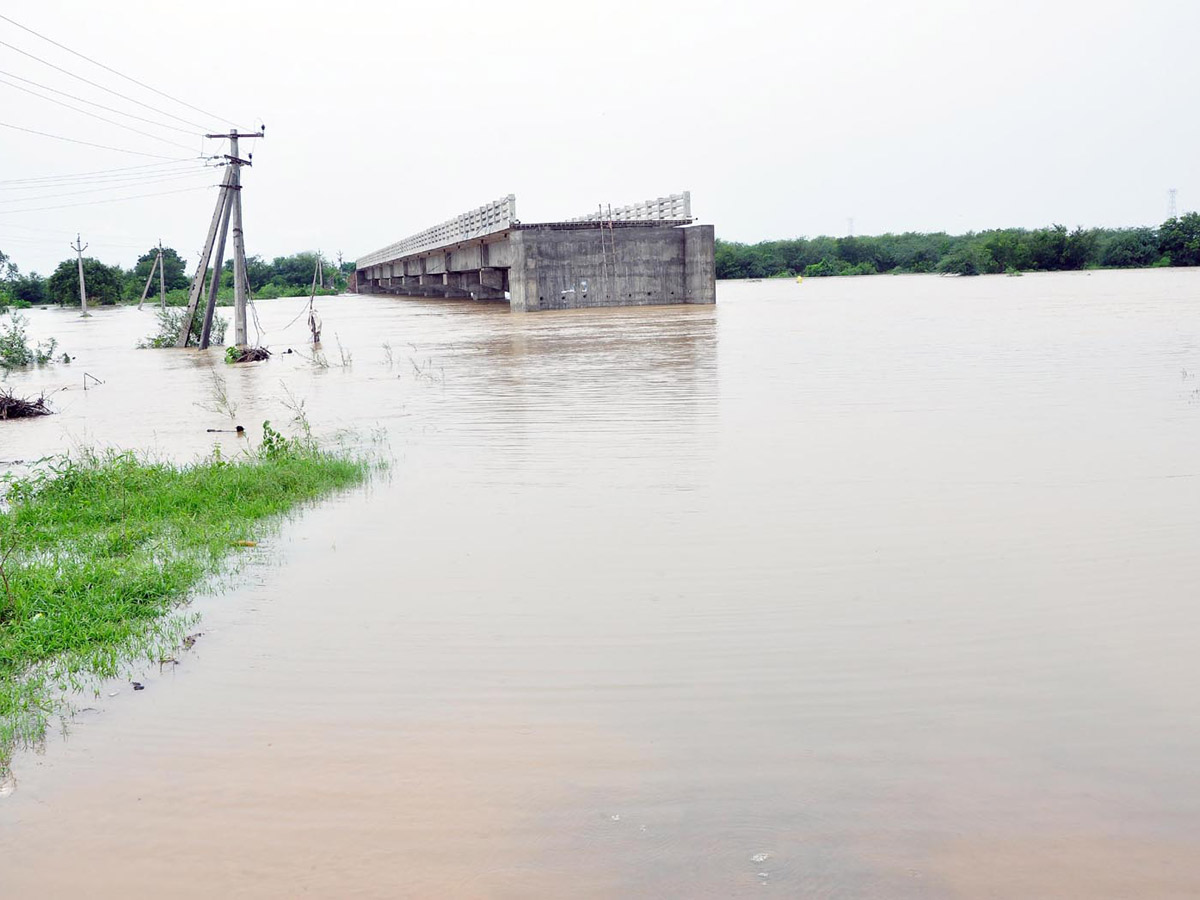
(97, 549)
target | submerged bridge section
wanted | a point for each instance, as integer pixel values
(639, 255)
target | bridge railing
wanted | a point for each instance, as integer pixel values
(671, 207)
(487, 219)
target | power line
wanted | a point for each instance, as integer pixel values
(60, 233)
(94, 172)
(111, 109)
(100, 86)
(129, 178)
(59, 137)
(102, 179)
(114, 187)
(114, 71)
(56, 242)
(95, 116)
(8, 212)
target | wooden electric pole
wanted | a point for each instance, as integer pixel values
(79, 247)
(229, 205)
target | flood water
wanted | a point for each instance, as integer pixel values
(866, 587)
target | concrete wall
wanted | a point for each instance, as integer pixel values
(593, 267)
(700, 265)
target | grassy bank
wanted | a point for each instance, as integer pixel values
(97, 549)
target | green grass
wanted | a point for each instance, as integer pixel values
(98, 550)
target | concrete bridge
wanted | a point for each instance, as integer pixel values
(639, 255)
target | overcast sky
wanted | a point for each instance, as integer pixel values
(782, 118)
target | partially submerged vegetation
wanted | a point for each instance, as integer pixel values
(95, 549)
(170, 320)
(15, 349)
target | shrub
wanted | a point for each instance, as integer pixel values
(170, 320)
(15, 350)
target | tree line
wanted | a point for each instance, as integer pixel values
(1174, 243)
(283, 276)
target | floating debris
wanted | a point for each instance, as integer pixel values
(247, 354)
(13, 407)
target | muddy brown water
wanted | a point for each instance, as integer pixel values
(875, 587)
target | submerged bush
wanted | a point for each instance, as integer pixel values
(170, 320)
(15, 350)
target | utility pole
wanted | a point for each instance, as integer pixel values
(150, 277)
(240, 279)
(317, 279)
(229, 205)
(215, 284)
(82, 287)
(197, 287)
(162, 278)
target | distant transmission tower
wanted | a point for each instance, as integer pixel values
(850, 227)
(1172, 211)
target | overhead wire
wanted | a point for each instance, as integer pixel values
(65, 238)
(97, 190)
(95, 115)
(102, 87)
(114, 71)
(74, 175)
(112, 109)
(131, 178)
(59, 232)
(59, 137)
(203, 187)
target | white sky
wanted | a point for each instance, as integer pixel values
(783, 119)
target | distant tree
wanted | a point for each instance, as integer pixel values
(8, 269)
(30, 288)
(258, 272)
(968, 259)
(103, 282)
(1179, 238)
(174, 266)
(1079, 249)
(1046, 247)
(1130, 248)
